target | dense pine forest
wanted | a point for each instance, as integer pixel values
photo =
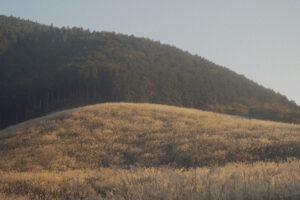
(45, 69)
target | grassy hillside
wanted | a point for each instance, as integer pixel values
(147, 151)
(144, 135)
(45, 69)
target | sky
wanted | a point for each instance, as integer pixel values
(257, 38)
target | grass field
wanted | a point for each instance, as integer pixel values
(146, 151)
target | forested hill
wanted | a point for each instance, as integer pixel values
(44, 69)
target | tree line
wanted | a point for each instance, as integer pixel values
(44, 69)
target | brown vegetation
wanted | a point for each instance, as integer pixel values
(144, 151)
(262, 180)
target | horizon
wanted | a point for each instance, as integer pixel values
(261, 45)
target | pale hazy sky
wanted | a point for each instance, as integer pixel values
(257, 38)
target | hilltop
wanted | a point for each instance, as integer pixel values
(45, 69)
(144, 135)
(147, 151)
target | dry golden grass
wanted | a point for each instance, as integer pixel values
(233, 182)
(124, 134)
(146, 151)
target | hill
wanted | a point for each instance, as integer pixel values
(125, 134)
(148, 151)
(45, 69)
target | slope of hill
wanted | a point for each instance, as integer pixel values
(107, 135)
(148, 151)
(44, 69)
(122, 135)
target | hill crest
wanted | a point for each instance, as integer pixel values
(146, 135)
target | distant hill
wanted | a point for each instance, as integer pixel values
(144, 135)
(45, 69)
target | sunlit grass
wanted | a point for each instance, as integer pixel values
(144, 151)
(143, 135)
(261, 180)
